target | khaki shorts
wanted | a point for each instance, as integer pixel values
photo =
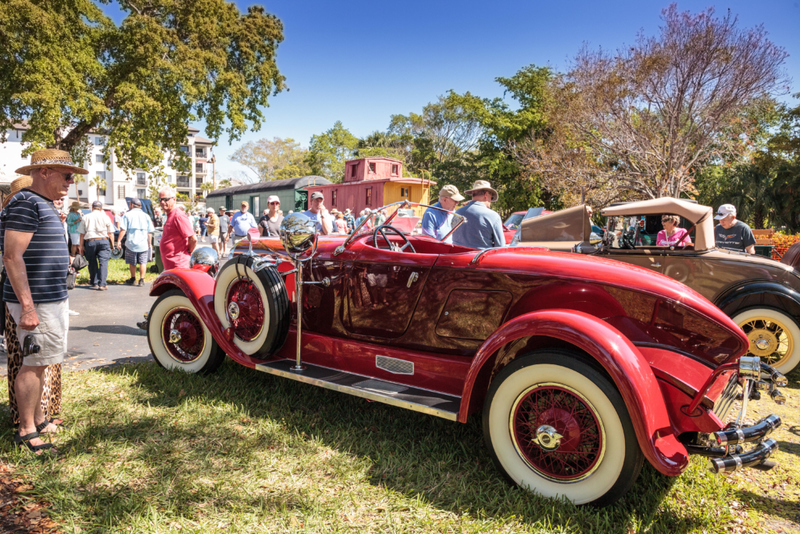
(50, 335)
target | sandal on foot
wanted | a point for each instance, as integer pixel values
(58, 423)
(26, 440)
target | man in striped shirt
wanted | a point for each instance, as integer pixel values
(36, 258)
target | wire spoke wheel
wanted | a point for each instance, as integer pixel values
(188, 344)
(250, 317)
(768, 339)
(579, 444)
(773, 336)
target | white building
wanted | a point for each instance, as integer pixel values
(117, 183)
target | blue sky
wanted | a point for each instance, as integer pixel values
(360, 62)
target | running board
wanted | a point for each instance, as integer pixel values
(410, 398)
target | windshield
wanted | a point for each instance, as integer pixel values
(512, 223)
(402, 216)
(649, 231)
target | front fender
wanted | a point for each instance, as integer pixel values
(623, 362)
(760, 294)
(198, 287)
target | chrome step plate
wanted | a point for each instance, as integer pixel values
(410, 398)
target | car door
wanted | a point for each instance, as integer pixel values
(383, 290)
(651, 259)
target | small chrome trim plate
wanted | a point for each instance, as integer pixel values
(394, 365)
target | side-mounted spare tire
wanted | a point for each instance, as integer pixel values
(254, 304)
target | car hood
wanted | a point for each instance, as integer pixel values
(634, 287)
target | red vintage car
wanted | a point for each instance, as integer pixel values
(582, 368)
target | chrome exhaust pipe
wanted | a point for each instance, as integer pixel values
(760, 430)
(734, 462)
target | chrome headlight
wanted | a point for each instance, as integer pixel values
(298, 233)
(204, 256)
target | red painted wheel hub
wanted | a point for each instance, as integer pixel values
(247, 326)
(188, 327)
(579, 445)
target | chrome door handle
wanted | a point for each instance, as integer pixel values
(655, 265)
(413, 277)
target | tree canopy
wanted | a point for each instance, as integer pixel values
(462, 138)
(328, 152)
(274, 159)
(646, 119)
(68, 69)
(764, 185)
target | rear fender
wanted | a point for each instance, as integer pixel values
(198, 287)
(622, 361)
(762, 295)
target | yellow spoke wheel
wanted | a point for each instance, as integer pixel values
(773, 337)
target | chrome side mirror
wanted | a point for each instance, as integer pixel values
(299, 234)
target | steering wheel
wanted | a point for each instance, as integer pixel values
(382, 230)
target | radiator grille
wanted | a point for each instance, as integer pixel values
(725, 401)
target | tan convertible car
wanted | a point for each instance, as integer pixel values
(761, 295)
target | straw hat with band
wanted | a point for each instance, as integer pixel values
(483, 185)
(16, 186)
(51, 158)
(75, 206)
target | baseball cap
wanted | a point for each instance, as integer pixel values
(725, 210)
(97, 204)
(136, 202)
(273, 198)
(451, 191)
(315, 195)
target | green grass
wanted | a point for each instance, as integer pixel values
(241, 451)
(118, 272)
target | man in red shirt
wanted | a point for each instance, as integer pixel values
(178, 239)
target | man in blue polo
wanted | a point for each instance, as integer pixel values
(484, 228)
(139, 229)
(437, 223)
(241, 222)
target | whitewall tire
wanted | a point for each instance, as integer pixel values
(557, 426)
(178, 338)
